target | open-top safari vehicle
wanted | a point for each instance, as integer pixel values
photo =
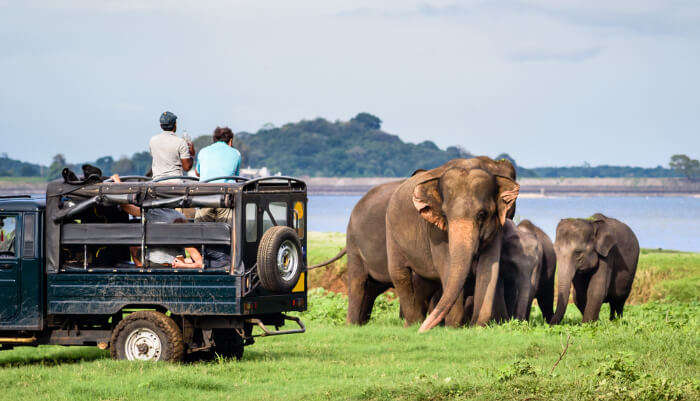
(68, 274)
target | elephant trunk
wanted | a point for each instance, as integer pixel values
(523, 303)
(463, 243)
(566, 276)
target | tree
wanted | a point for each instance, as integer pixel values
(105, 164)
(683, 164)
(56, 167)
(141, 162)
(368, 120)
(29, 170)
(123, 166)
(506, 156)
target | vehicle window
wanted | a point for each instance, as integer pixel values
(28, 247)
(8, 242)
(278, 210)
(299, 218)
(251, 222)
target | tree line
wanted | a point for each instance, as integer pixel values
(354, 148)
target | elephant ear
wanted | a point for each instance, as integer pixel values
(508, 191)
(604, 239)
(428, 202)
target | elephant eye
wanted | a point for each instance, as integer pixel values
(481, 216)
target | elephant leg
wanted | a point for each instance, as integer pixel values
(469, 306)
(545, 299)
(358, 301)
(487, 271)
(616, 307)
(524, 298)
(401, 276)
(580, 292)
(456, 316)
(597, 292)
(424, 290)
(509, 290)
(500, 308)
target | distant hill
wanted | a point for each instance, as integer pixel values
(16, 168)
(355, 148)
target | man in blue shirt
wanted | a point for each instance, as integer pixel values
(219, 159)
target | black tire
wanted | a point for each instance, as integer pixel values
(169, 337)
(227, 343)
(272, 278)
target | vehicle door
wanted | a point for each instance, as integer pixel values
(10, 224)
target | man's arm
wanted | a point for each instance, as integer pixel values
(130, 209)
(187, 155)
(197, 260)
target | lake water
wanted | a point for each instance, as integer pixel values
(659, 222)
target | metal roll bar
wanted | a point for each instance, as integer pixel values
(227, 177)
(177, 177)
(130, 177)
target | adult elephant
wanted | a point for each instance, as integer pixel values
(367, 274)
(439, 223)
(545, 287)
(599, 256)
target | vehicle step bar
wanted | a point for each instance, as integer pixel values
(17, 340)
(267, 333)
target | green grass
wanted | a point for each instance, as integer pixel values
(323, 246)
(650, 354)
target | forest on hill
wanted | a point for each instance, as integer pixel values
(355, 148)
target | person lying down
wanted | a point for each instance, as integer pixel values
(175, 256)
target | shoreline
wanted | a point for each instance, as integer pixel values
(529, 187)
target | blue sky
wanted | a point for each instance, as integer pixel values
(550, 82)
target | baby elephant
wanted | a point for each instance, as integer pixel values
(599, 256)
(522, 257)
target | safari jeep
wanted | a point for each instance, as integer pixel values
(68, 274)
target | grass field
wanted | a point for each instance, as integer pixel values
(650, 354)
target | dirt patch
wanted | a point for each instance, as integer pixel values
(330, 278)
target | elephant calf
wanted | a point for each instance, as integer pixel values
(521, 259)
(599, 256)
(545, 288)
(527, 272)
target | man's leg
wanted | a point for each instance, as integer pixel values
(223, 214)
(205, 215)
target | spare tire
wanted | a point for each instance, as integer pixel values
(279, 259)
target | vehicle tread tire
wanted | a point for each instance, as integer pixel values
(228, 343)
(173, 347)
(267, 258)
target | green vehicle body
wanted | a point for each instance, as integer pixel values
(44, 302)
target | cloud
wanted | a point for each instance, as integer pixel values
(541, 55)
(677, 18)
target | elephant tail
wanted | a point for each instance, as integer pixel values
(329, 261)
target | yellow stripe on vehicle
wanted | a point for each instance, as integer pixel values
(301, 284)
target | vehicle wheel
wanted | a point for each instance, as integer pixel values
(147, 336)
(279, 259)
(227, 343)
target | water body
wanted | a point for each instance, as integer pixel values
(659, 222)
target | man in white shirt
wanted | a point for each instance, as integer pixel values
(172, 155)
